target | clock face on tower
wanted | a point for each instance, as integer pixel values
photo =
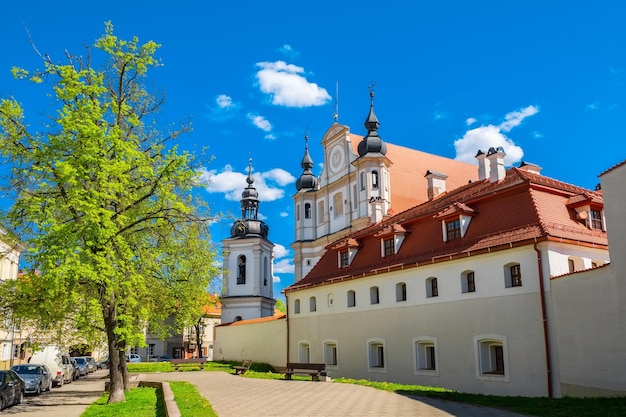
(337, 157)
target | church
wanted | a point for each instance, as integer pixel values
(418, 269)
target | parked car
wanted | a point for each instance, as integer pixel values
(91, 364)
(82, 365)
(163, 358)
(103, 364)
(37, 378)
(57, 361)
(133, 358)
(11, 388)
(76, 373)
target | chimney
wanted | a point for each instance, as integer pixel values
(436, 183)
(483, 165)
(377, 205)
(496, 164)
(530, 167)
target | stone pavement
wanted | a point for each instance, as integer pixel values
(236, 396)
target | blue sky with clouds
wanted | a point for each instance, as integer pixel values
(545, 80)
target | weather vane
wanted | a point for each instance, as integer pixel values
(371, 88)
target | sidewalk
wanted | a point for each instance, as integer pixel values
(236, 396)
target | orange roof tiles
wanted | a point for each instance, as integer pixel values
(521, 208)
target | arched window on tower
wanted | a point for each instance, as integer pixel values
(266, 270)
(241, 270)
(374, 179)
(307, 210)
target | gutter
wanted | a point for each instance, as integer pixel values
(287, 323)
(546, 337)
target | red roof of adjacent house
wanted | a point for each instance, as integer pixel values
(521, 208)
(259, 320)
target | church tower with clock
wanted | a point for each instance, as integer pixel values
(364, 180)
(352, 191)
(247, 286)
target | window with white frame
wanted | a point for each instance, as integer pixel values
(266, 271)
(491, 357)
(374, 295)
(344, 259)
(362, 180)
(351, 298)
(296, 306)
(453, 229)
(307, 210)
(374, 179)
(425, 351)
(241, 270)
(330, 353)
(297, 211)
(389, 247)
(512, 275)
(312, 304)
(468, 282)
(376, 355)
(595, 220)
(432, 289)
(401, 291)
(304, 352)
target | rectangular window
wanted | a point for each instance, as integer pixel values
(595, 219)
(377, 355)
(389, 248)
(401, 291)
(433, 286)
(571, 265)
(344, 259)
(516, 276)
(151, 349)
(374, 299)
(330, 353)
(471, 285)
(453, 229)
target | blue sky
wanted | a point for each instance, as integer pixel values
(544, 79)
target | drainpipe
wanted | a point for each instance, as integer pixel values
(287, 322)
(546, 337)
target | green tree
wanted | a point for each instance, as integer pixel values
(280, 306)
(104, 202)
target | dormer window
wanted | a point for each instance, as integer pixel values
(346, 251)
(388, 247)
(391, 238)
(453, 229)
(455, 221)
(595, 220)
(588, 207)
(344, 259)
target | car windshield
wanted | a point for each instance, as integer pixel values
(26, 369)
(80, 360)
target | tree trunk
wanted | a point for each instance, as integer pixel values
(116, 382)
(199, 337)
(124, 369)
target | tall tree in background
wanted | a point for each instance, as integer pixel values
(105, 203)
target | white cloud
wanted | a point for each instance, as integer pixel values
(592, 106)
(284, 266)
(275, 279)
(224, 108)
(260, 122)
(485, 137)
(270, 136)
(280, 251)
(232, 183)
(288, 87)
(515, 118)
(224, 101)
(470, 121)
(283, 214)
(288, 50)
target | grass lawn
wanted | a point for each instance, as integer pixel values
(190, 402)
(140, 402)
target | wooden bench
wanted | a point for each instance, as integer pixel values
(192, 361)
(315, 370)
(245, 365)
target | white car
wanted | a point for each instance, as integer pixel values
(133, 358)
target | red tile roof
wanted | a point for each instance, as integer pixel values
(521, 208)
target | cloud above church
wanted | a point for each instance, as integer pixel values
(287, 85)
(493, 136)
(231, 183)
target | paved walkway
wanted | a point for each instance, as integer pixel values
(236, 396)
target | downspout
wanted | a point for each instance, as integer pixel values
(287, 322)
(546, 337)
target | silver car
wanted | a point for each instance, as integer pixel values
(37, 378)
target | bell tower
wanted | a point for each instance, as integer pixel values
(247, 285)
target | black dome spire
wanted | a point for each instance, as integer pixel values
(307, 180)
(372, 143)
